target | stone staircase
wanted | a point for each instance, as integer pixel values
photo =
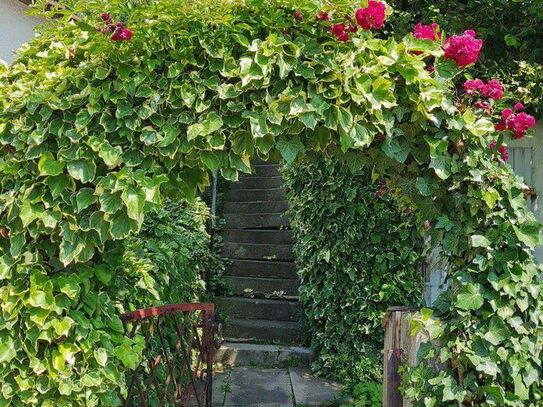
(261, 273)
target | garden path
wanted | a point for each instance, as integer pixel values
(278, 387)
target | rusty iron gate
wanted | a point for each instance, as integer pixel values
(177, 368)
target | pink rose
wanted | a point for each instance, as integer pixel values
(518, 106)
(122, 34)
(371, 17)
(506, 113)
(501, 125)
(323, 16)
(428, 32)
(502, 150)
(298, 16)
(520, 123)
(471, 86)
(492, 90)
(463, 49)
(339, 31)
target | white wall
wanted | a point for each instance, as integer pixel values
(526, 158)
(16, 27)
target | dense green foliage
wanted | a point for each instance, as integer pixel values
(164, 263)
(356, 254)
(363, 395)
(174, 242)
(512, 34)
(95, 133)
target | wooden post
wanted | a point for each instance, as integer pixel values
(400, 348)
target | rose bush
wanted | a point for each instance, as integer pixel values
(95, 133)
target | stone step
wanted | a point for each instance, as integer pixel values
(262, 330)
(251, 195)
(267, 170)
(256, 207)
(262, 269)
(255, 220)
(259, 308)
(250, 251)
(257, 162)
(251, 354)
(258, 236)
(261, 287)
(252, 182)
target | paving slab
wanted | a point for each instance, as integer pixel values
(311, 390)
(251, 387)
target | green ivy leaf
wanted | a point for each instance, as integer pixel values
(122, 225)
(290, 148)
(479, 241)
(85, 198)
(497, 331)
(7, 351)
(100, 355)
(49, 166)
(470, 298)
(82, 170)
(529, 233)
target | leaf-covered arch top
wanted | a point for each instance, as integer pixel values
(96, 131)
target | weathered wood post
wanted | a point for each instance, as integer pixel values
(400, 348)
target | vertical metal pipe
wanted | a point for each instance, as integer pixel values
(214, 200)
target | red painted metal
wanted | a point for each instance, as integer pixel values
(177, 368)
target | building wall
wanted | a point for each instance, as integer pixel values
(16, 27)
(526, 158)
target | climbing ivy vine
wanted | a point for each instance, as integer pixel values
(102, 117)
(357, 253)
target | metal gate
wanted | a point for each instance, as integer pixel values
(177, 368)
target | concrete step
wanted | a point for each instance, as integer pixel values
(263, 286)
(262, 269)
(256, 207)
(250, 354)
(267, 170)
(253, 182)
(262, 330)
(251, 195)
(250, 251)
(258, 163)
(255, 220)
(259, 308)
(258, 236)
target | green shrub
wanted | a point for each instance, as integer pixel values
(357, 253)
(70, 318)
(170, 257)
(369, 394)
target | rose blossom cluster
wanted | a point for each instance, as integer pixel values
(339, 30)
(426, 32)
(517, 122)
(371, 17)
(463, 49)
(502, 150)
(120, 33)
(491, 90)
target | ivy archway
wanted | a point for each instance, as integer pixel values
(99, 122)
